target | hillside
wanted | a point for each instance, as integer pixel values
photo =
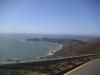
(77, 47)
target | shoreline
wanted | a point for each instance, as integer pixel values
(52, 51)
(55, 50)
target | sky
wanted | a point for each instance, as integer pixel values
(72, 17)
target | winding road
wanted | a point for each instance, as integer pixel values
(90, 68)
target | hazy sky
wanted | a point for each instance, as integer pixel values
(78, 17)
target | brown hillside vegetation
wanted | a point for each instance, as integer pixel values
(76, 47)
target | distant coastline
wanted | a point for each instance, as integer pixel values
(20, 45)
(59, 41)
(69, 47)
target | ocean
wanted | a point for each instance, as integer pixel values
(13, 46)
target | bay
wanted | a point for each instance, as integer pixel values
(13, 46)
